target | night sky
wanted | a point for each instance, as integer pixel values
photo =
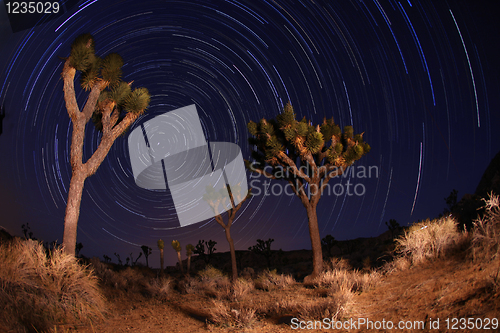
(420, 79)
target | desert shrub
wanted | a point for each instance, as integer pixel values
(334, 307)
(429, 239)
(338, 277)
(38, 291)
(160, 288)
(241, 288)
(210, 282)
(269, 280)
(221, 314)
(486, 234)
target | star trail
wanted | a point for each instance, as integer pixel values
(419, 78)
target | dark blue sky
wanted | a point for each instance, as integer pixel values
(419, 78)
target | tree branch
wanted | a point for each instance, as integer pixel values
(89, 107)
(68, 75)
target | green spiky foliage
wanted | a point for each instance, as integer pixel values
(107, 70)
(300, 152)
(178, 248)
(300, 139)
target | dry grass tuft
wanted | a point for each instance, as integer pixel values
(340, 277)
(270, 280)
(486, 236)
(38, 290)
(221, 314)
(430, 239)
(241, 288)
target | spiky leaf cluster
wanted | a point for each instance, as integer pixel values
(161, 244)
(325, 143)
(189, 249)
(176, 245)
(108, 71)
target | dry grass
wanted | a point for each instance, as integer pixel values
(340, 278)
(486, 236)
(270, 280)
(38, 291)
(430, 239)
(222, 314)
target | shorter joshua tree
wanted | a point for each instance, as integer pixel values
(214, 199)
(178, 248)
(328, 243)
(161, 246)
(189, 252)
(393, 226)
(147, 251)
(263, 248)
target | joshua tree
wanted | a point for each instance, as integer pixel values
(189, 252)
(106, 258)
(263, 248)
(178, 248)
(119, 259)
(393, 226)
(147, 251)
(214, 199)
(200, 250)
(111, 104)
(161, 246)
(304, 154)
(132, 261)
(328, 243)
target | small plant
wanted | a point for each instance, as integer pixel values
(177, 247)
(161, 246)
(189, 251)
(147, 251)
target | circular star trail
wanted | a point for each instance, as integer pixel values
(418, 78)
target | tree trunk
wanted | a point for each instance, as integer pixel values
(73, 210)
(315, 243)
(189, 264)
(233, 254)
(180, 261)
(161, 260)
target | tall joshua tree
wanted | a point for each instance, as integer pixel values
(304, 154)
(189, 252)
(111, 104)
(161, 246)
(214, 199)
(147, 251)
(178, 248)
